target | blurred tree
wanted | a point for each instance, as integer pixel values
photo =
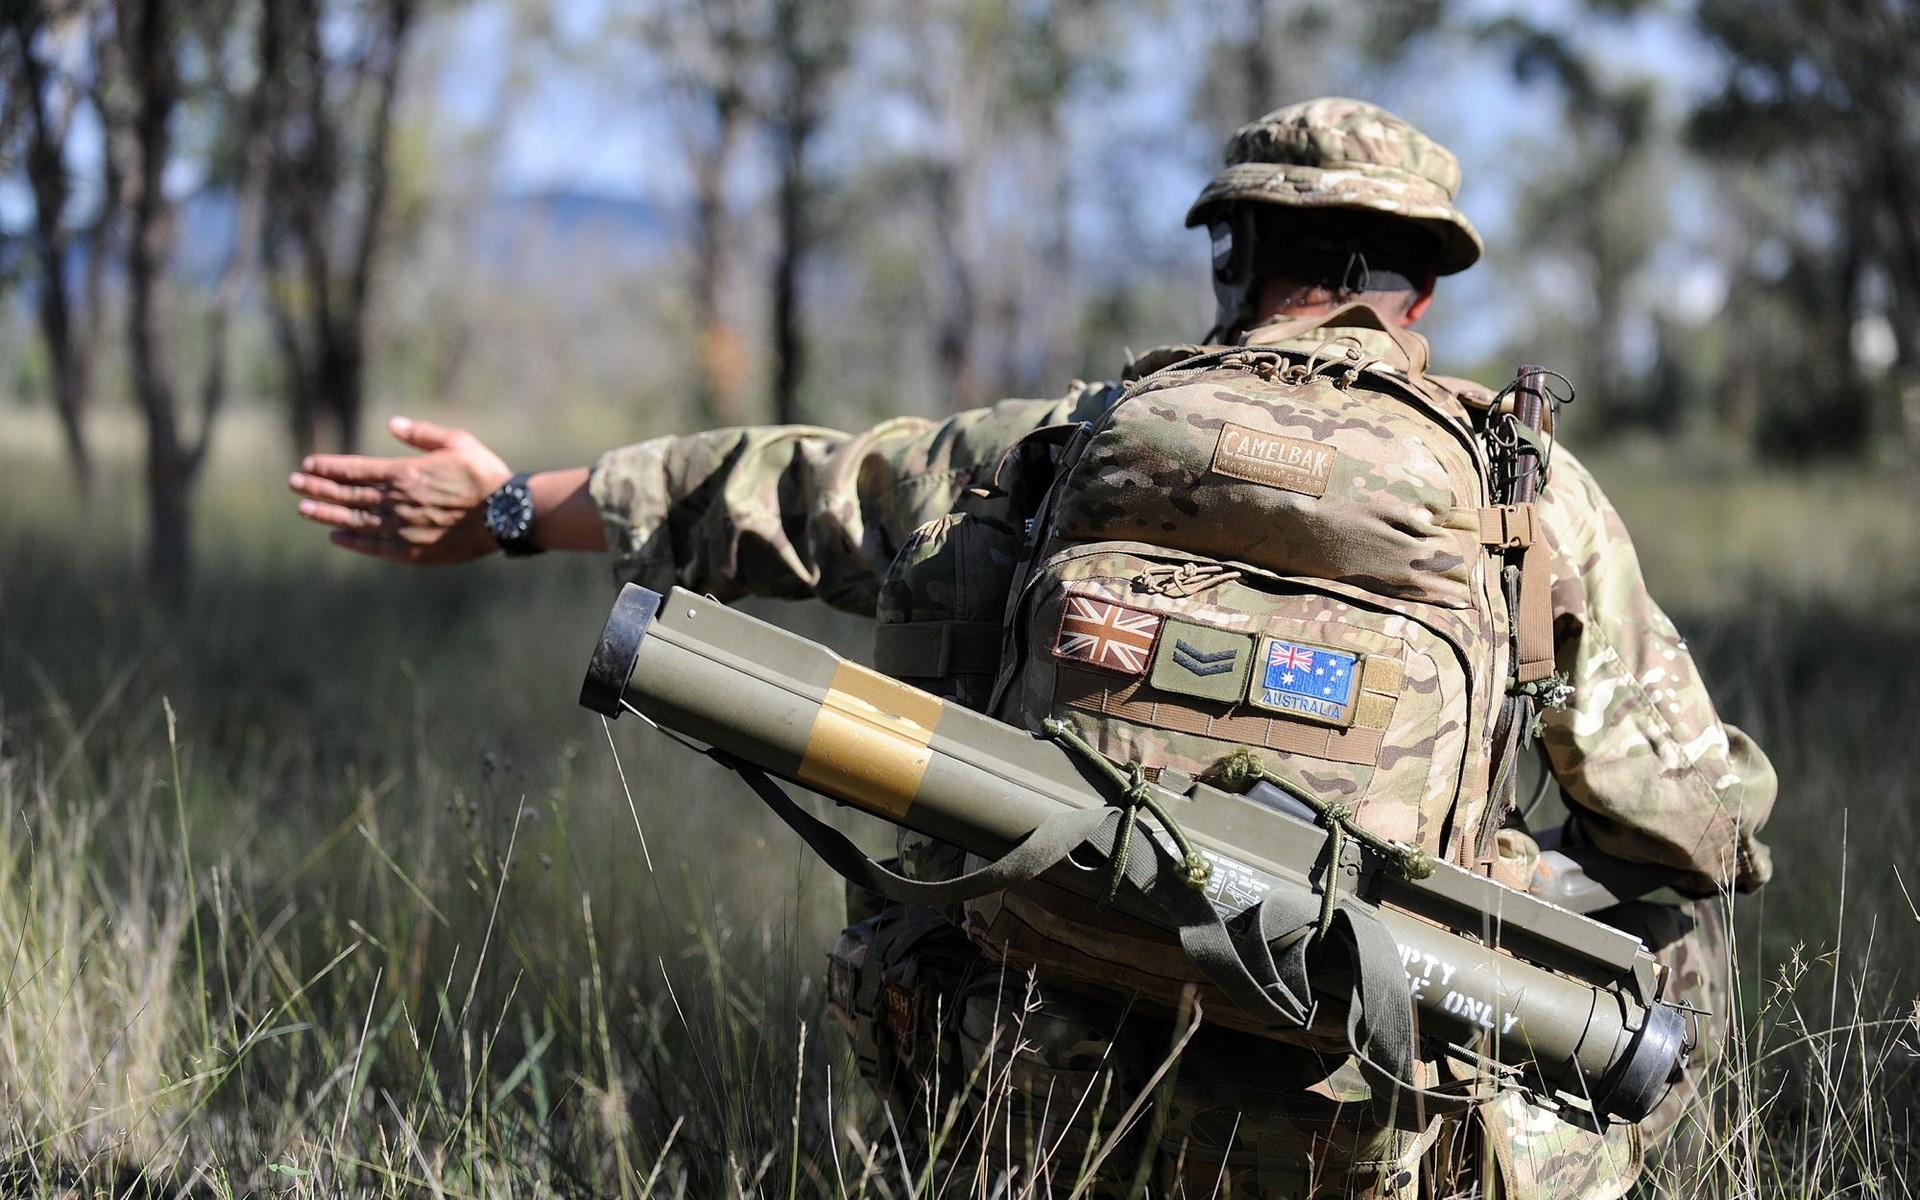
(335, 76)
(1593, 201)
(954, 71)
(707, 50)
(1066, 60)
(1822, 99)
(809, 46)
(45, 95)
(161, 61)
(12, 107)
(13, 116)
(440, 314)
(1267, 53)
(991, 85)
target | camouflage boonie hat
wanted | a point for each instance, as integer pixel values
(1339, 153)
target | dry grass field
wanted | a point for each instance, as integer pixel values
(327, 887)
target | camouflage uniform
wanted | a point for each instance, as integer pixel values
(1651, 771)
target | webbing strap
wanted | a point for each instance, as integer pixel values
(1533, 640)
(1051, 841)
(1236, 958)
(937, 649)
(1513, 527)
(1010, 642)
(1109, 695)
(1509, 734)
(1149, 871)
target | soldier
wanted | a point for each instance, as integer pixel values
(1331, 218)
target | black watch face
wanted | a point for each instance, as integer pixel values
(509, 514)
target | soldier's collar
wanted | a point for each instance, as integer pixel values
(1360, 323)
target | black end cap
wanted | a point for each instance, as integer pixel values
(613, 658)
(1652, 1065)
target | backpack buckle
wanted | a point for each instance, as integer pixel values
(1509, 526)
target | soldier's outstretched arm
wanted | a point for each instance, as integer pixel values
(795, 511)
(784, 511)
(1654, 773)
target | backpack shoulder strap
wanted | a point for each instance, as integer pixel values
(1139, 366)
(1475, 396)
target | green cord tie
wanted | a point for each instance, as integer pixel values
(1136, 793)
(1330, 890)
(1241, 770)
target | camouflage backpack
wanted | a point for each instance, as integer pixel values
(1291, 550)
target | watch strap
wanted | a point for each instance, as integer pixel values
(509, 517)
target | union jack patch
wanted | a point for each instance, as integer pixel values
(1110, 636)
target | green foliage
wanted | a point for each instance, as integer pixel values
(1817, 100)
(1781, 172)
(421, 952)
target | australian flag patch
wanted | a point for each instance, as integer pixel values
(1313, 683)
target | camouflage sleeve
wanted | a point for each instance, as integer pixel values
(795, 511)
(1654, 773)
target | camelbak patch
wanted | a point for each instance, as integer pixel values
(1202, 660)
(1278, 461)
(1313, 683)
(1111, 636)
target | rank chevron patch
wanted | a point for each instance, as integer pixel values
(1106, 635)
(1203, 661)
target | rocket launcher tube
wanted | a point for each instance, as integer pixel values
(1571, 1002)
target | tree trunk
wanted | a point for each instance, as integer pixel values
(170, 530)
(302, 405)
(1065, 337)
(789, 349)
(1900, 184)
(1738, 394)
(1256, 63)
(959, 314)
(350, 340)
(155, 91)
(100, 236)
(1906, 379)
(809, 42)
(66, 356)
(69, 352)
(718, 346)
(323, 273)
(1845, 421)
(338, 383)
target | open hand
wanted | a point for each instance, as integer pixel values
(423, 509)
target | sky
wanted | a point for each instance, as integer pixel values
(576, 131)
(586, 131)
(596, 129)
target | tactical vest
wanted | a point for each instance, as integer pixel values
(1283, 550)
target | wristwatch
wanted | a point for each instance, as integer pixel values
(508, 514)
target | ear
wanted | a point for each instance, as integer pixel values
(1418, 308)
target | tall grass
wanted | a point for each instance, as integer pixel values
(420, 1002)
(327, 887)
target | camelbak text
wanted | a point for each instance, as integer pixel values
(1273, 459)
